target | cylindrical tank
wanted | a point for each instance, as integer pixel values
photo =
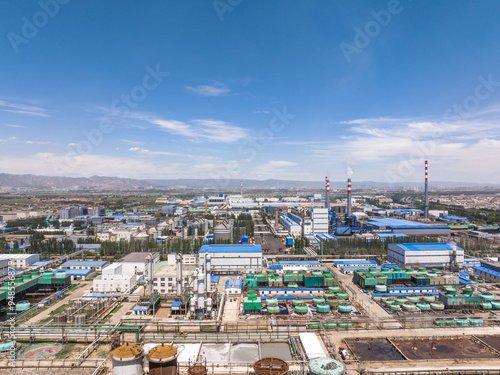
(487, 305)
(78, 304)
(208, 304)
(69, 311)
(495, 305)
(343, 295)
(61, 274)
(60, 318)
(381, 288)
(334, 302)
(401, 300)
(451, 292)
(326, 366)
(192, 304)
(413, 299)
(26, 277)
(270, 366)
(409, 307)
(345, 308)
(301, 309)
(273, 309)
(22, 306)
(438, 306)
(467, 292)
(323, 308)
(127, 360)
(47, 275)
(18, 280)
(327, 295)
(271, 301)
(293, 285)
(487, 297)
(395, 307)
(297, 301)
(423, 306)
(389, 302)
(318, 300)
(428, 298)
(80, 318)
(115, 340)
(334, 289)
(201, 283)
(162, 360)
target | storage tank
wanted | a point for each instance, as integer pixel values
(115, 339)
(413, 299)
(271, 301)
(495, 305)
(78, 304)
(69, 311)
(26, 277)
(47, 275)
(381, 288)
(326, 366)
(395, 307)
(343, 295)
(270, 366)
(438, 306)
(334, 289)
(297, 301)
(487, 297)
(423, 306)
(428, 298)
(323, 308)
(162, 360)
(60, 318)
(301, 309)
(61, 275)
(273, 309)
(127, 360)
(318, 300)
(344, 308)
(22, 306)
(80, 318)
(401, 300)
(327, 295)
(334, 302)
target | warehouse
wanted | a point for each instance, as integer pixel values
(231, 259)
(134, 263)
(408, 227)
(113, 280)
(20, 260)
(78, 275)
(431, 255)
(291, 226)
(85, 265)
(489, 271)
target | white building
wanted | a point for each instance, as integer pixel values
(165, 277)
(431, 255)
(187, 259)
(113, 280)
(4, 267)
(97, 265)
(20, 260)
(227, 259)
(290, 226)
(135, 263)
(319, 218)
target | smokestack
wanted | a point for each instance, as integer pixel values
(276, 220)
(348, 197)
(327, 193)
(426, 198)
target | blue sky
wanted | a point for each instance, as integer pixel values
(258, 89)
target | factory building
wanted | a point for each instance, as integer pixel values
(431, 255)
(489, 271)
(290, 226)
(20, 260)
(4, 267)
(231, 259)
(407, 227)
(223, 231)
(165, 277)
(134, 263)
(233, 287)
(319, 219)
(113, 280)
(78, 275)
(85, 265)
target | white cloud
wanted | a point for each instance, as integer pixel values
(217, 89)
(39, 143)
(148, 152)
(10, 139)
(72, 144)
(22, 109)
(15, 126)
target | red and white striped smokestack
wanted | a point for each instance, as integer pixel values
(327, 193)
(426, 194)
(348, 197)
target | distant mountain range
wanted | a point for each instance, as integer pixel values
(29, 181)
(115, 183)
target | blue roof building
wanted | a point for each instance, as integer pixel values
(432, 255)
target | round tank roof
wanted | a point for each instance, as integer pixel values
(197, 370)
(270, 366)
(326, 366)
(127, 352)
(162, 353)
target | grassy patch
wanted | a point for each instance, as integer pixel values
(68, 351)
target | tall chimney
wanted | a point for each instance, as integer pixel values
(276, 219)
(241, 188)
(327, 193)
(348, 197)
(426, 198)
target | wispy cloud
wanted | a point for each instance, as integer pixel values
(22, 109)
(10, 139)
(149, 152)
(15, 126)
(217, 89)
(39, 143)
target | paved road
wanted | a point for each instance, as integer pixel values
(75, 294)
